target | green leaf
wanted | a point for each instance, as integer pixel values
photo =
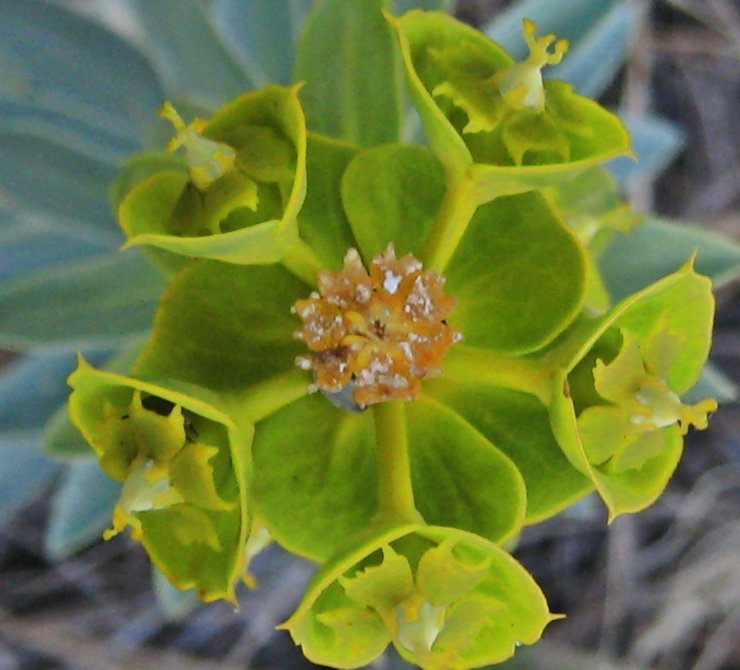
(391, 195)
(650, 251)
(518, 424)
(459, 478)
(105, 301)
(346, 58)
(502, 606)
(322, 221)
(246, 214)
(61, 438)
(189, 56)
(226, 327)
(139, 429)
(140, 167)
(315, 473)
(517, 275)
(81, 509)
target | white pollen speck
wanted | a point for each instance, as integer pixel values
(297, 335)
(391, 282)
(303, 363)
(363, 293)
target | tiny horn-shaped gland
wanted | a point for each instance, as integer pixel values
(521, 84)
(207, 159)
(378, 333)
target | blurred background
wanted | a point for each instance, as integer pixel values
(656, 591)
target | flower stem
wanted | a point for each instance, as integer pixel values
(260, 400)
(455, 213)
(395, 494)
(518, 373)
(301, 260)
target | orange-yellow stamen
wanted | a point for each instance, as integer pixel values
(381, 332)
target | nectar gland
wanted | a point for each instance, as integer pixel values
(376, 333)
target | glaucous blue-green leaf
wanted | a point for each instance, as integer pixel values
(322, 221)
(174, 603)
(68, 65)
(571, 19)
(712, 383)
(188, 54)
(326, 460)
(226, 327)
(392, 194)
(263, 35)
(656, 142)
(517, 276)
(43, 175)
(460, 478)
(400, 7)
(246, 212)
(591, 206)
(443, 597)
(64, 128)
(26, 470)
(102, 302)
(29, 245)
(595, 59)
(31, 388)
(518, 424)
(459, 83)
(81, 509)
(185, 469)
(346, 58)
(650, 251)
(670, 323)
(598, 33)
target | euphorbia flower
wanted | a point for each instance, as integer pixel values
(615, 404)
(183, 466)
(627, 433)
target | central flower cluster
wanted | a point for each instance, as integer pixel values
(376, 333)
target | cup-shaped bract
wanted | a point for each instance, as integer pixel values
(236, 193)
(184, 466)
(494, 120)
(443, 597)
(616, 409)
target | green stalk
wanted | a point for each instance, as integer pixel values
(269, 396)
(395, 494)
(302, 261)
(455, 213)
(518, 373)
